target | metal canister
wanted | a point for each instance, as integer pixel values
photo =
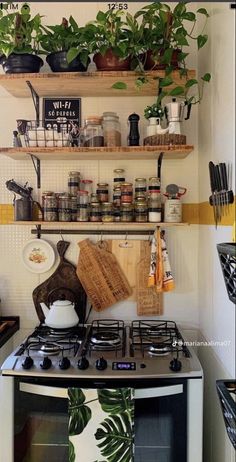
(64, 210)
(173, 210)
(73, 182)
(102, 192)
(107, 212)
(126, 193)
(50, 212)
(140, 187)
(141, 210)
(126, 212)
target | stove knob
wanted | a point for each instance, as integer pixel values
(46, 364)
(175, 365)
(28, 362)
(64, 363)
(83, 363)
(101, 364)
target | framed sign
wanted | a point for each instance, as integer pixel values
(61, 111)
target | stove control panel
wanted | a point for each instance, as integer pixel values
(123, 366)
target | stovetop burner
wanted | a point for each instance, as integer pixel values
(158, 350)
(49, 349)
(105, 338)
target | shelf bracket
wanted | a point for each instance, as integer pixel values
(36, 164)
(35, 98)
(38, 231)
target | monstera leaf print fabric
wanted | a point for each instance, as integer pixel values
(101, 425)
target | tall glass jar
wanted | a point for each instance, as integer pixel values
(107, 212)
(126, 193)
(126, 212)
(93, 132)
(141, 210)
(102, 192)
(73, 182)
(119, 176)
(87, 185)
(95, 211)
(64, 210)
(117, 196)
(154, 187)
(111, 129)
(73, 208)
(50, 211)
(154, 208)
(83, 206)
(140, 187)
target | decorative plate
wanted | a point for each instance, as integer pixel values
(38, 256)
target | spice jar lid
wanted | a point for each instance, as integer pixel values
(118, 170)
(102, 184)
(154, 178)
(86, 181)
(127, 205)
(140, 179)
(141, 199)
(104, 204)
(93, 120)
(126, 184)
(74, 173)
(82, 192)
(117, 189)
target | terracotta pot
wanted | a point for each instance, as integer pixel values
(150, 63)
(21, 63)
(58, 63)
(110, 62)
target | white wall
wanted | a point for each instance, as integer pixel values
(216, 143)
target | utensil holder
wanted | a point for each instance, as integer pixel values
(227, 256)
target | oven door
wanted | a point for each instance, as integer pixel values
(41, 421)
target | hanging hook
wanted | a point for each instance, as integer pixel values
(62, 238)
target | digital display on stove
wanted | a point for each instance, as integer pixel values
(121, 366)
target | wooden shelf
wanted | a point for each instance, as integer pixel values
(98, 226)
(86, 83)
(117, 153)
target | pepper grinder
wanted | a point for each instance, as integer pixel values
(133, 138)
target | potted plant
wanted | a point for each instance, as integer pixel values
(19, 41)
(60, 41)
(109, 41)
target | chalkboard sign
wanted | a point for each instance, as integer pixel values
(61, 111)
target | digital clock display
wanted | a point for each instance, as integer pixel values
(121, 366)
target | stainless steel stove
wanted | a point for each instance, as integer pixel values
(105, 348)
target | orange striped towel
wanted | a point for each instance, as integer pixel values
(160, 275)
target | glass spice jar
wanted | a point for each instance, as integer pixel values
(141, 210)
(95, 211)
(154, 187)
(64, 209)
(126, 212)
(50, 211)
(44, 194)
(102, 192)
(118, 176)
(117, 196)
(94, 198)
(73, 208)
(116, 214)
(107, 212)
(87, 185)
(140, 187)
(83, 206)
(111, 129)
(126, 193)
(154, 209)
(93, 132)
(73, 182)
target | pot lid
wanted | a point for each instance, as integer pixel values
(62, 303)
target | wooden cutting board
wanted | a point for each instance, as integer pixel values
(127, 253)
(149, 302)
(64, 281)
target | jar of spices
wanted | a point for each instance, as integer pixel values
(64, 209)
(140, 187)
(83, 206)
(126, 212)
(111, 129)
(87, 185)
(94, 198)
(44, 194)
(50, 212)
(141, 209)
(95, 211)
(154, 209)
(93, 132)
(107, 212)
(126, 193)
(73, 200)
(102, 192)
(154, 187)
(119, 176)
(116, 214)
(117, 196)
(73, 182)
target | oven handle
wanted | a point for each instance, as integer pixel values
(139, 393)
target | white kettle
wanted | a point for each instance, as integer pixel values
(61, 314)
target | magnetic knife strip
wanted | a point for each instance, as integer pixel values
(221, 189)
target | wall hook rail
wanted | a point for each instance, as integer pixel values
(39, 231)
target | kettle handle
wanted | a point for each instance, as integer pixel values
(189, 107)
(62, 295)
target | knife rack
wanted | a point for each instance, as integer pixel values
(223, 198)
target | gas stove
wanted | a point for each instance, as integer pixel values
(106, 348)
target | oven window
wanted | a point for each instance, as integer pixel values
(40, 428)
(161, 429)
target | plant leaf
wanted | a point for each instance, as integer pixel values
(115, 401)
(177, 91)
(119, 86)
(203, 11)
(116, 435)
(201, 40)
(166, 81)
(206, 77)
(190, 83)
(189, 16)
(71, 452)
(79, 413)
(72, 54)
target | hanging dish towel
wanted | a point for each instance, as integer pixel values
(160, 275)
(101, 425)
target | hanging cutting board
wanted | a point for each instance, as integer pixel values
(101, 275)
(127, 253)
(63, 281)
(149, 302)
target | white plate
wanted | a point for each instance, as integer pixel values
(38, 256)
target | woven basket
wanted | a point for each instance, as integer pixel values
(167, 139)
(101, 276)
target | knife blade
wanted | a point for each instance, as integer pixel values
(213, 189)
(218, 190)
(224, 181)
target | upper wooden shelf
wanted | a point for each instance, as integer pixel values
(86, 83)
(116, 153)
